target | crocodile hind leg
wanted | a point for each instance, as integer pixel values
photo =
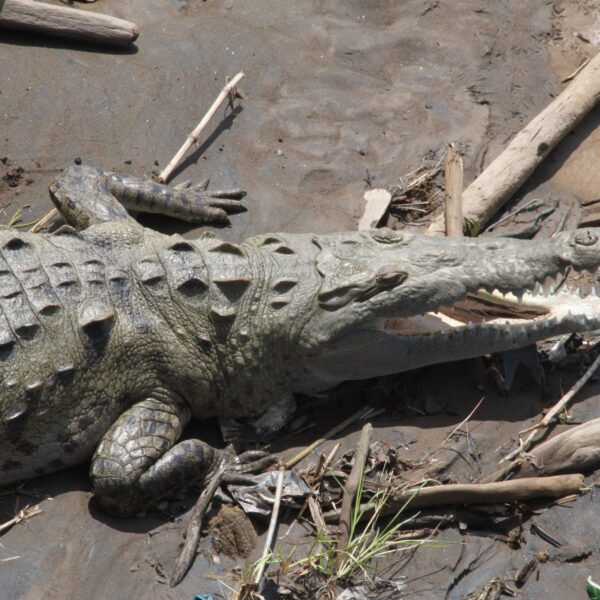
(85, 196)
(139, 462)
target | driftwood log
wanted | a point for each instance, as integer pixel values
(576, 450)
(476, 493)
(507, 173)
(68, 22)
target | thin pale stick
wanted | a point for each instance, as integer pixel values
(303, 453)
(193, 137)
(44, 221)
(272, 524)
(462, 422)
(26, 513)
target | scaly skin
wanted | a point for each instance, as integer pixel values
(113, 336)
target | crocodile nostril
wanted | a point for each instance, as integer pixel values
(388, 236)
(586, 238)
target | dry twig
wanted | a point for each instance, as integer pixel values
(193, 137)
(463, 421)
(26, 513)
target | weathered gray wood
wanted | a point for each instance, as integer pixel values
(496, 492)
(65, 22)
(576, 450)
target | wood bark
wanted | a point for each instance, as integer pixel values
(68, 22)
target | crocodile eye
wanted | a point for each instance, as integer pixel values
(586, 238)
(388, 276)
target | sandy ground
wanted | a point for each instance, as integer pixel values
(336, 92)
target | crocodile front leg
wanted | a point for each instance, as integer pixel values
(138, 462)
(85, 196)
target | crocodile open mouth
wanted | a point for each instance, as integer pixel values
(484, 311)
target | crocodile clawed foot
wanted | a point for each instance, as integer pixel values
(227, 202)
(239, 472)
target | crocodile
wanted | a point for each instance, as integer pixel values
(114, 336)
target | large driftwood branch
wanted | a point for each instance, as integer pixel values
(507, 173)
(66, 22)
(537, 430)
(575, 450)
(477, 493)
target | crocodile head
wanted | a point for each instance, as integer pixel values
(390, 301)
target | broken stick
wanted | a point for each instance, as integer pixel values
(453, 177)
(66, 22)
(353, 484)
(507, 173)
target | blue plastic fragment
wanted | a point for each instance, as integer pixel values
(204, 597)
